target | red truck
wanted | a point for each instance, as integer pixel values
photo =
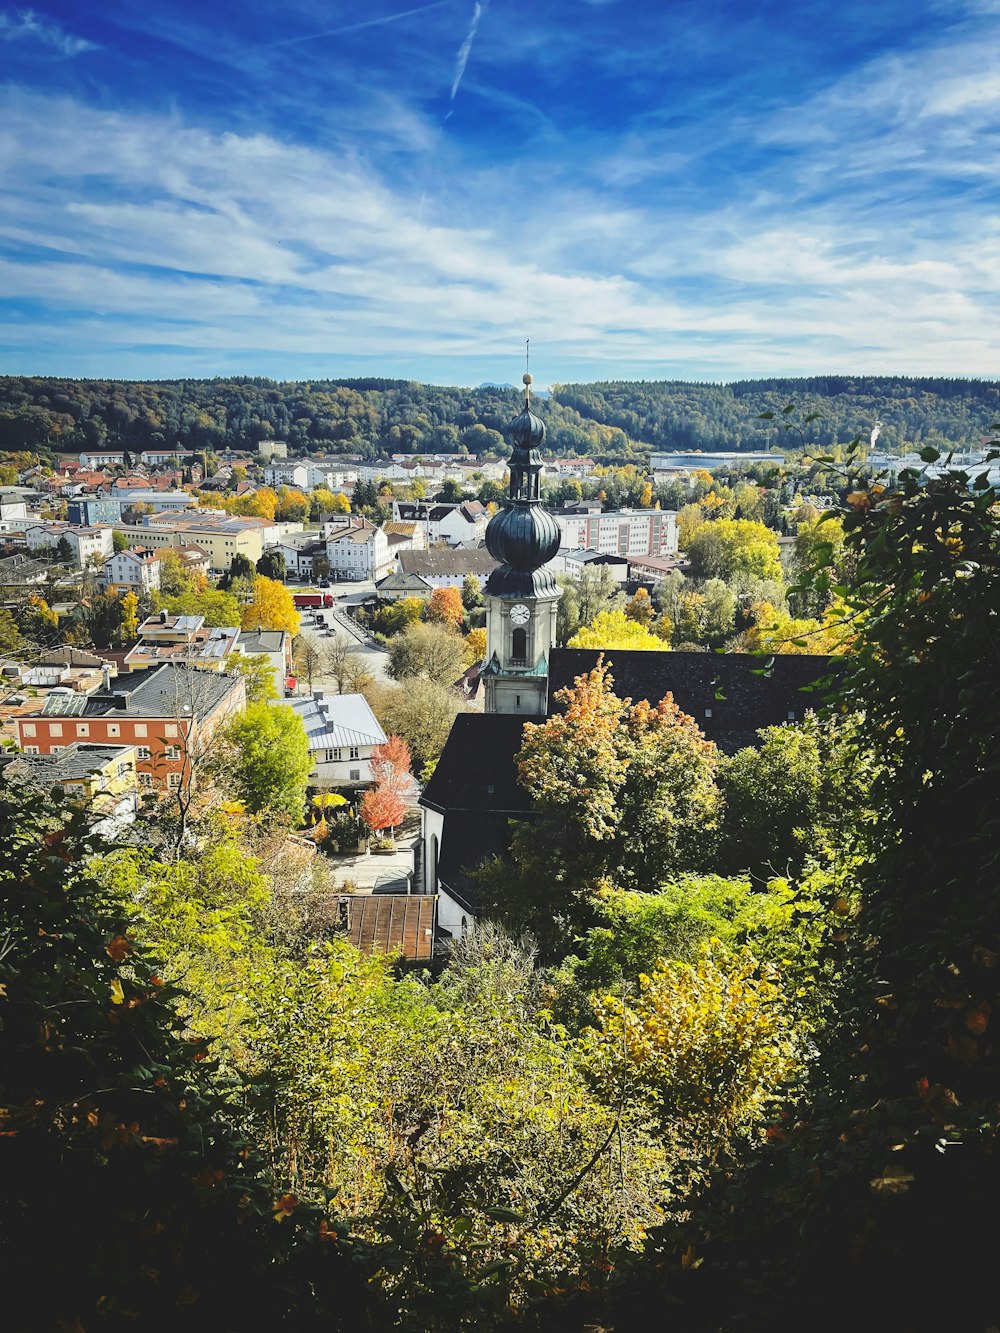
(312, 598)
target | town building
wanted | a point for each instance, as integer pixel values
(169, 713)
(446, 567)
(220, 537)
(290, 473)
(454, 524)
(93, 459)
(357, 549)
(87, 545)
(626, 532)
(168, 638)
(665, 466)
(343, 732)
(103, 777)
(135, 571)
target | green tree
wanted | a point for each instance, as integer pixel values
(272, 566)
(421, 711)
(119, 541)
(216, 605)
(257, 671)
(472, 592)
(266, 762)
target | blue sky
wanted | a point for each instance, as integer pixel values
(646, 190)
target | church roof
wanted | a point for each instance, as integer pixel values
(729, 695)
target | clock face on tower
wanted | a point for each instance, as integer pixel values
(519, 615)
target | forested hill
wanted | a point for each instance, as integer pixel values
(372, 416)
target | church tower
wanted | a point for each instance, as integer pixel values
(521, 596)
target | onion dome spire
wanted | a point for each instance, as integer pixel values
(524, 536)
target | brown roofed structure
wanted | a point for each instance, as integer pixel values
(391, 923)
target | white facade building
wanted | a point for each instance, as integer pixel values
(342, 732)
(287, 474)
(628, 532)
(135, 571)
(357, 550)
(86, 544)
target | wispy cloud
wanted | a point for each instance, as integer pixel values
(381, 22)
(25, 25)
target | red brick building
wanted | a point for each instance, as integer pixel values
(168, 713)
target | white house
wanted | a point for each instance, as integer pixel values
(300, 551)
(94, 459)
(135, 571)
(455, 524)
(287, 474)
(85, 543)
(357, 550)
(342, 732)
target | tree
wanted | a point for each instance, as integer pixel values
(64, 551)
(422, 712)
(614, 629)
(431, 651)
(218, 607)
(622, 793)
(451, 492)
(307, 659)
(267, 761)
(382, 808)
(640, 608)
(240, 567)
(391, 764)
(175, 578)
(10, 634)
(475, 646)
(393, 617)
(472, 592)
(445, 607)
(292, 506)
(728, 546)
(272, 607)
(272, 566)
(114, 1111)
(341, 661)
(119, 541)
(130, 617)
(257, 671)
(593, 591)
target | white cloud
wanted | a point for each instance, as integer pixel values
(155, 232)
(27, 25)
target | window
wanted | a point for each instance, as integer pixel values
(708, 712)
(28, 728)
(355, 753)
(519, 647)
(114, 729)
(145, 779)
(355, 775)
(140, 729)
(54, 749)
(31, 749)
(791, 716)
(55, 728)
(170, 729)
(123, 769)
(172, 752)
(142, 751)
(82, 729)
(173, 781)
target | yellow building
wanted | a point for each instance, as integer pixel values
(101, 776)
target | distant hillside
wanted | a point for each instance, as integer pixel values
(612, 420)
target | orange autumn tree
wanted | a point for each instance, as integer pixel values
(445, 607)
(383, 807)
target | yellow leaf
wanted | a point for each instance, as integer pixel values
(117, 993)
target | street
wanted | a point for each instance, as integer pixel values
(345, 594)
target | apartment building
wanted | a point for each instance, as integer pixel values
(627, 532)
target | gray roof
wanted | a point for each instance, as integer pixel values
(447, 561)
(164, 691)
(261, 640)
(334, 721)
(73, 763)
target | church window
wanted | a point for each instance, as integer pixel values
(519, 647)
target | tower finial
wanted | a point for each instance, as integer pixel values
(526, 377)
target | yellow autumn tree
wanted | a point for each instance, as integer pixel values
(475, 646)
(614, 629)
(271, 608)
(130, 616)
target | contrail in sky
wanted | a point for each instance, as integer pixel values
(465, 50)
(371, 23)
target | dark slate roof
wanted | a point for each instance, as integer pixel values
(72, 764)
(476, 771)
(164, 691)
(475, 783)
(725, 684)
